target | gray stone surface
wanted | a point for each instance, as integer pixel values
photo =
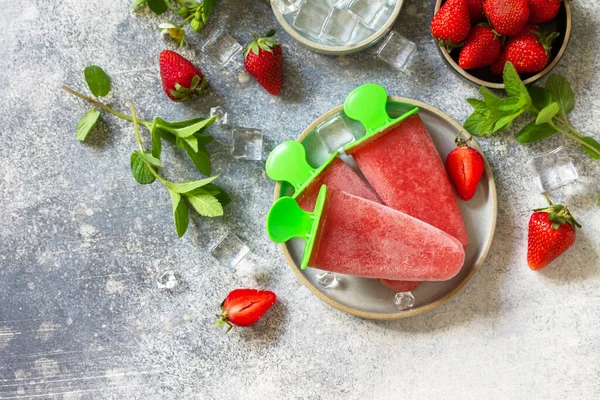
(81, 243)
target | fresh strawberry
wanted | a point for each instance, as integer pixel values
(476, 10)
(529, 51)
(181, 80)
(465, 167)
(264, 61)
(482, 48)
(541, 11)
(451, 24)
(551, 233)
(508, 17)
(244, 307)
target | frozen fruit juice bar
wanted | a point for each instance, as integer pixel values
(350, 235)
(404, 167)
(335, 174)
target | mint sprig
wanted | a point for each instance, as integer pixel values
(194, 13)
(203, 195)
(549, 106)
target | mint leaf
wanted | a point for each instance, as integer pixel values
(138, 3)
(180, 213)
(158, 6)
(200, 158)
(204, 139)
(533, 132)
(155, 162)
(97, 80)
(511, 104)
(489, 97)
(474, 123)
(504, 122)
(183, 128)
(140, 170)
(86, 124)
(192, 141)
(477, 105)
(186, 187)
(216, 191)
(156, 142)
(594, 152)
(545, 116)
(205, 204)
(513, 85)
(207, 7)
(561, 93)
(540, 98)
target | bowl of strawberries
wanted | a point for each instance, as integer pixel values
(477, 37)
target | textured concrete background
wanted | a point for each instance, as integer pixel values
(81, 243)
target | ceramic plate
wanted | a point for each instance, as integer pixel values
(323, 46)
(367, 297)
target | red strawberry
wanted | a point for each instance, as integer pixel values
(180, 79)
(551, 233)
(264, 61)
(244, 307)
(529, 51)
(508, 17)
(451, 24)
(482, 48)
(476, 10)
(465, 167)
(541, 11)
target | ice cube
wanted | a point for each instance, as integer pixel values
(327, 280)
(222, 47)
(247, 144)
(337, 3)
(312, 17)
(361, 33)
(382, 17)
(167, 280)
(230, 250)
(404, 300)
(287, 6)
(221, 115)
(553, 169)
(340, 26)
(397, 51)
(367, 10)
(335, 133)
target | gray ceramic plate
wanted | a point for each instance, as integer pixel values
(335, 49)
(366, 297)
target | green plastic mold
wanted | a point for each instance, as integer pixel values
(287, 162)
(367, 104)
(287, 220)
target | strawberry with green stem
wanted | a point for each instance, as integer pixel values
(508, 17)
(263, 60)
(552, 230)
(465, 168)
(181, 80)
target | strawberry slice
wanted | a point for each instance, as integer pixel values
(244, 307)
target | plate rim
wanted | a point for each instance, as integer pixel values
(340, 50)
(451, 294)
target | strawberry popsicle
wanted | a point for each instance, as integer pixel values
(405, 169)
(334, 173)
(350, 235)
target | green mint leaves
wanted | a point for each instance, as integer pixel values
(202, 195)
(86, 124)
(97, 80)
(549, 106)
(194, 13)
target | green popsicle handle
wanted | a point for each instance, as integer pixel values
(287, 220)
(367, 104)
(287, 162)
